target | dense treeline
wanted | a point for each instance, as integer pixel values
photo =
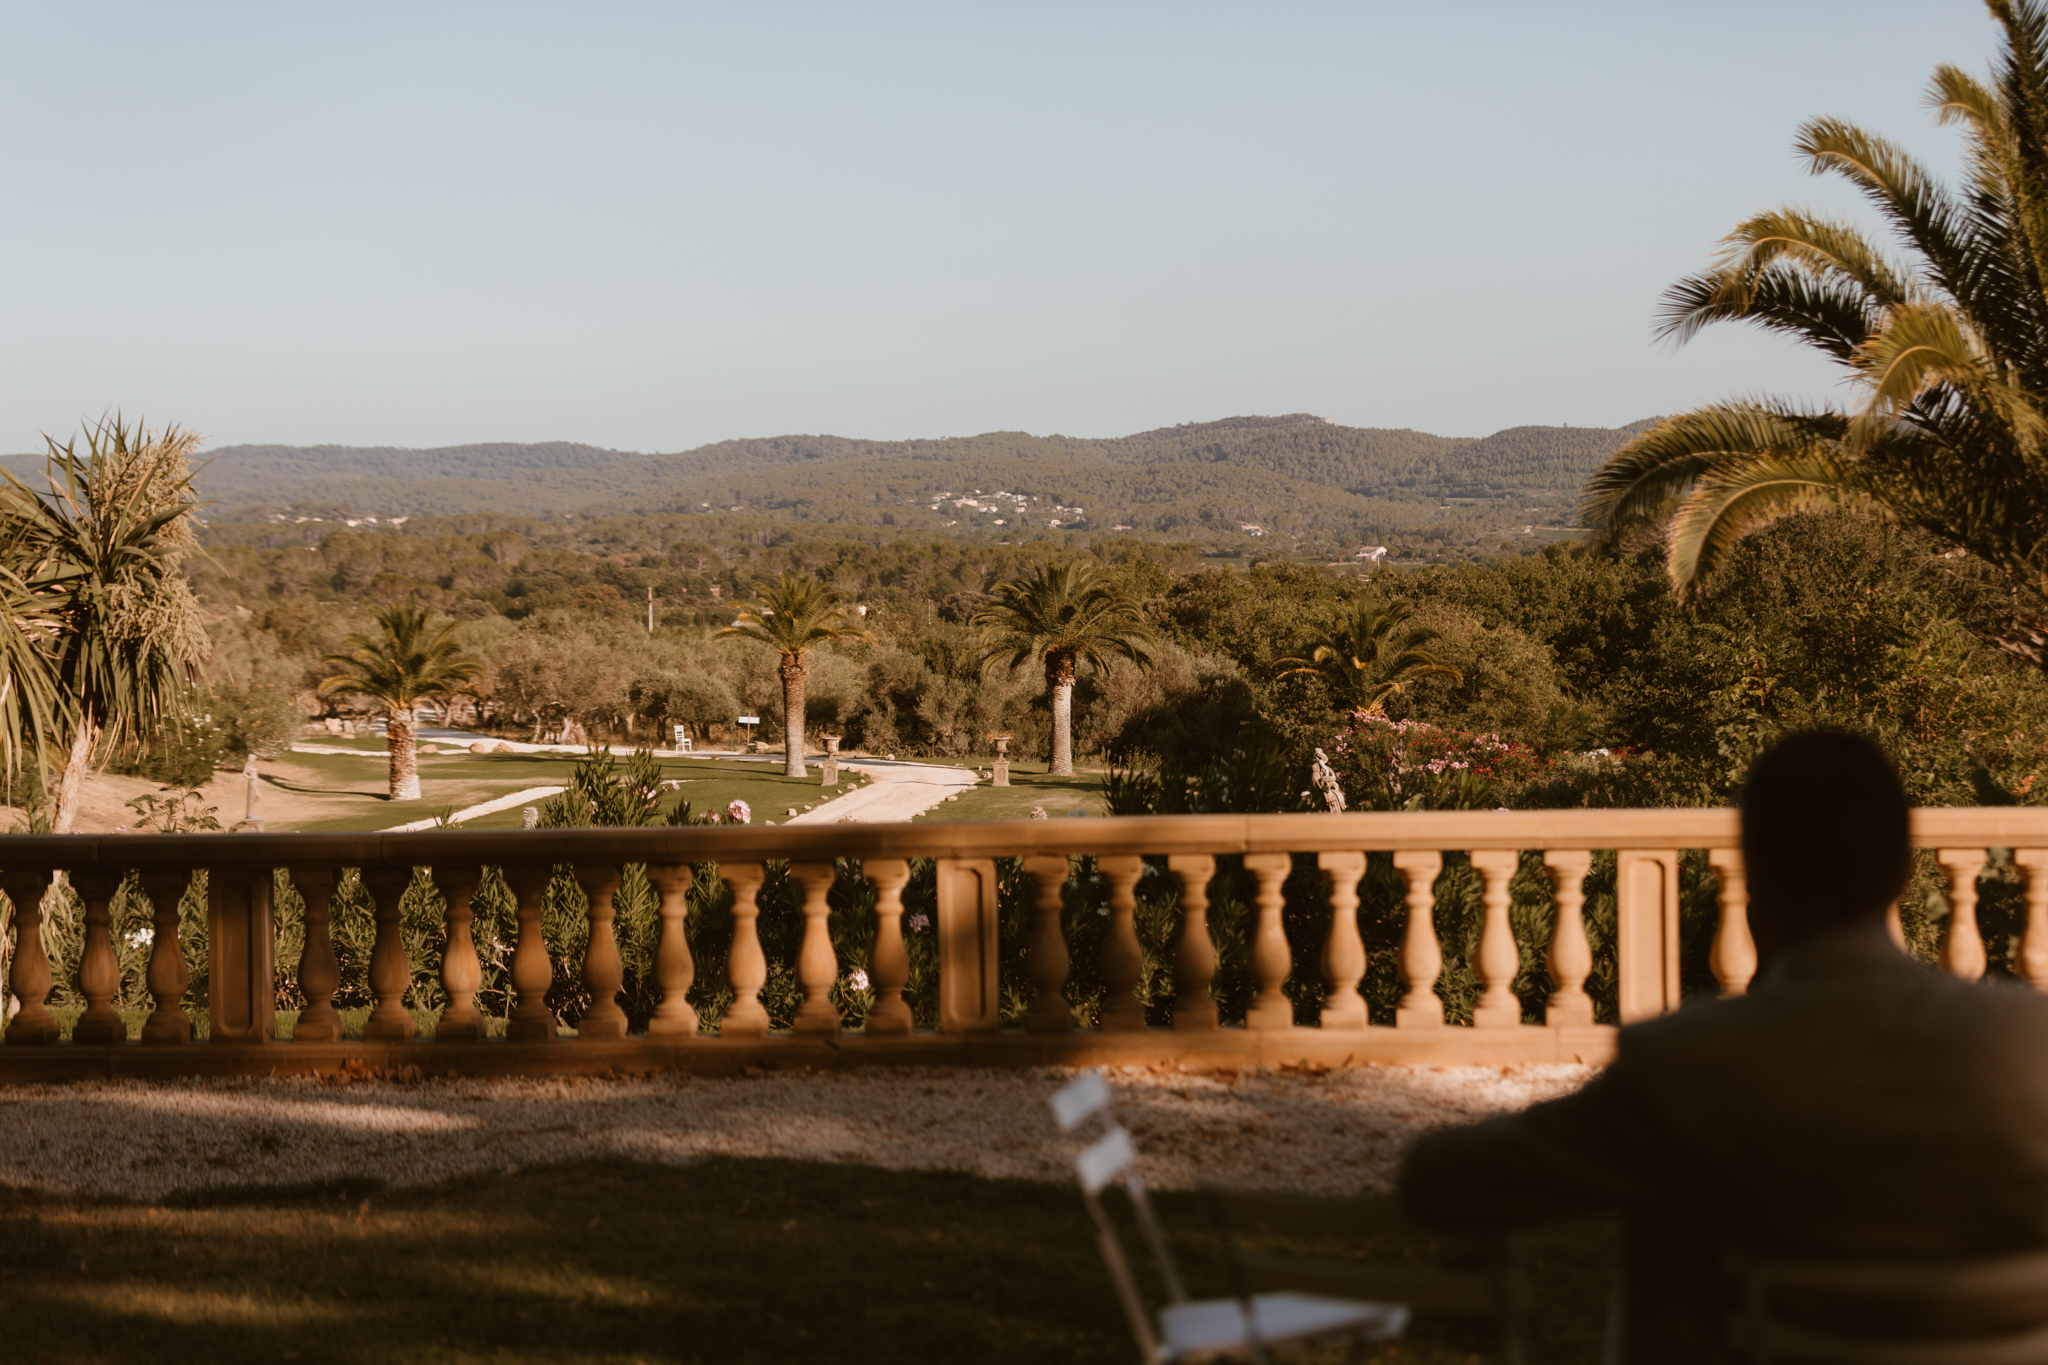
(1832, 617)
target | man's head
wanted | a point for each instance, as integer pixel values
(1823, 834)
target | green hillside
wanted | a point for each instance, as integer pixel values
(1294, 476)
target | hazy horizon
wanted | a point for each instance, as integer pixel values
(651, 228)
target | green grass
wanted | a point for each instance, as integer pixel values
(615, 1262)
(1060, 797)
(354, 787)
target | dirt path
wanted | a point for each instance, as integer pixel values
(901, 791)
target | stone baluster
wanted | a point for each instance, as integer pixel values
(1571, 957)
(1048, 962)
(1734, 953)
(1499, 959)
(1895, 927)
(99, 972)
(1962, 944)
(889, 964)
(1271, 959)
(167, 976)
(603, 973)
(1194, 963)
(2033, 957)
(319, 971)
(675, 971)
(746, 967)
(1123, 958)
(461, 973)
(817, 965)
(1422, 961)
(390, 972)
(29, 974)
(533, 973)
(1343, 950)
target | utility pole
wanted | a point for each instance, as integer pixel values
(650, 609)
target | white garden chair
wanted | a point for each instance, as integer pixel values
(1194, 1329)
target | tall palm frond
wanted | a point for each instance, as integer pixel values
(410, 662)
(32, 708)
(1374, 655)
(795, 614)
(1062, 616)
(1944, 346)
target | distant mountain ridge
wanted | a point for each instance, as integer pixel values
(1297, 470)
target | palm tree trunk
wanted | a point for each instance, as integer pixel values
(1059, 677)
(71, 787)
(405, 758)
(792, 671)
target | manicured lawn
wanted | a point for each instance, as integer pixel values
(615, 1262)
(1060, 797)
(338, 792)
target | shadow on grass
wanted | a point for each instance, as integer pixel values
(618, 1262)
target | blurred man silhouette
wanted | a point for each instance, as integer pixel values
(1853, 1103)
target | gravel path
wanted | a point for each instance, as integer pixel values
(1290, 1129)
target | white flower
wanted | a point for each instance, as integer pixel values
(857, 980)
(142, 938)
(740, 813)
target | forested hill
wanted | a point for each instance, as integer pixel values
(1296, 473)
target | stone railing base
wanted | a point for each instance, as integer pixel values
(1222, 1049)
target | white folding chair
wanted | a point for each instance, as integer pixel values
(1194, 1329)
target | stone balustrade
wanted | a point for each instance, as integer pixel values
(1180, 856)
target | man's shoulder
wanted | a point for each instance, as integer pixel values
(1905, 996)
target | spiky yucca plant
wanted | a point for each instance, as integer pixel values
(1944, 345)
(103, 634)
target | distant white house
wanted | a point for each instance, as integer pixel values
(1371, 554)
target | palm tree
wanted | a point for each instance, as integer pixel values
(94, 583)
(407, 666)
(30, 707)
(792, 616)
(1944, 347)
(1372, 656)
(1061, 616)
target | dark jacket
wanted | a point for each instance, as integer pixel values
(1852, 1103)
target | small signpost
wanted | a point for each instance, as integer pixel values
(750, 722)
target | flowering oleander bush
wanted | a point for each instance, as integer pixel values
(1408, 764)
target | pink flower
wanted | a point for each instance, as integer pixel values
(740, 813)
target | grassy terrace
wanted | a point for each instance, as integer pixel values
(612, 1263)
(1059, 797)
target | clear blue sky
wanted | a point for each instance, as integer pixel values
(651, 226)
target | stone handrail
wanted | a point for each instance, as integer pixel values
(240, 939)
